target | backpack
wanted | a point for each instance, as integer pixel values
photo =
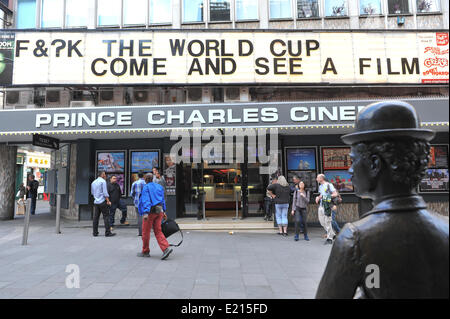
(327, 201)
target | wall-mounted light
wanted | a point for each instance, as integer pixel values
(400, 20)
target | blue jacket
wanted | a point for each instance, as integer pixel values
(152, 195)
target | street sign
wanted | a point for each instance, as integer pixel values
(45, 141)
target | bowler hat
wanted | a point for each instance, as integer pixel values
(387, 119)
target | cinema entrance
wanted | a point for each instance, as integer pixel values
(221, 190)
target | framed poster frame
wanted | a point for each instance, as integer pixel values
(130, 152)
(420, 190)
(300, 147)
(323, 170)
(125, 185)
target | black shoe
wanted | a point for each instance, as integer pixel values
(280, 234)
(328, 241)
(95, 235)
(166, 253)
(270, 219)
(110, 234)
(140, 235)
(285, 234)
(143, 254)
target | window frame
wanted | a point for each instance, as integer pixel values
(284, 18)
(319, 11)
(160, 23)
(408, 13)
(97, 17)
(246, 20)
(220, 21)
(41, 11)
(346, 16)
(37, 16)
(204, 20)
(130, 25)
(76, 27)
(382, 12)
(437, 4)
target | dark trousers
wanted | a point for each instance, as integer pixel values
(104, 210)
(334, 223)
(300, 221)
(33, 205)
(268, 207)
(112, 212)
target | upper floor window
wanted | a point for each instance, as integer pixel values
(398, 6)
(26, 14)
(307, 8)
(108, 12)
(279, 9)
(369, 7)
(427, 6)
(52, 13)
(77, 12)
(247, 10)
(134, 12)
(336, 8)
(160, 11)
(192, 10)
(219, 10)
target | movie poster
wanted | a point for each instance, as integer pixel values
(435, 180)
(7, 41)
(438, 156)
(170, 173)
(341, 180)
(111, 162)
(301, 158)
(336, 158)
(307, 177)
(144, 161)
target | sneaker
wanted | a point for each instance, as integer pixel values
(125, 223)
(95, 235)
(306, 238)
(328, 241)
(296, 237)
(166, 253)
(141, 254)
(110, 235)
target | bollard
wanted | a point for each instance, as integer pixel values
(237, 206)
(58, 213)
(27, 221)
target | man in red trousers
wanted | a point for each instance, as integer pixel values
(152, 207)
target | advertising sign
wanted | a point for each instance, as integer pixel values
(144, 161)
(217, 57)
(341, 180)
(170, 173)
(438, 156)
(111, 162)
(337, 158)
(6, 57)
(301, 158)
(307, 177)
(435, 180)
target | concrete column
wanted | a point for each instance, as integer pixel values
(176, 14)
(8, 156)
(263, 14)
(353, 13)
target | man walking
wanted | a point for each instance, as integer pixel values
(115, 195)
(99, 191)
(159, 179)
(32, 192)
(324, 200)
(136, 190)
(152, 206)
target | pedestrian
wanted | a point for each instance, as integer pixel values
(115, 196)
(32, 192)
(21, 192)
(159, 179)
(299, 208)
(269, 205)
(136, 190)
(281, 193)
(326, 193)
(152, 207)
(99, 191)
(336, 201)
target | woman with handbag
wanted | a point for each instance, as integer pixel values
(281, 193)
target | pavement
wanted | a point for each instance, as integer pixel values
(209, 264)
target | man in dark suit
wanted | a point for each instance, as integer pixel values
(398, 249)
(32, 192)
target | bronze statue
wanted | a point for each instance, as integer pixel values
(398, 249)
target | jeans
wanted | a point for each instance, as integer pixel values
(112, 212)
(334, 223)
(325, 221)
(104, 210)
(268, 207)
(281, 212)
(153, 221)
(300, 221)
(33, 205)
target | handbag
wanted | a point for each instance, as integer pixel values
(170, 227)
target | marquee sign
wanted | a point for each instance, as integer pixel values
(235, 115)
(225, 57)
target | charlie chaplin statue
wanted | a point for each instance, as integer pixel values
(398, 249)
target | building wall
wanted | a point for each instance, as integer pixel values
(8, 155)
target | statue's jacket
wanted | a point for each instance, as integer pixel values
(396, 250)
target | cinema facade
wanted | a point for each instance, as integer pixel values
(126, 101)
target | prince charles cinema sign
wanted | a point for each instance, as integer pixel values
(223, 57)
